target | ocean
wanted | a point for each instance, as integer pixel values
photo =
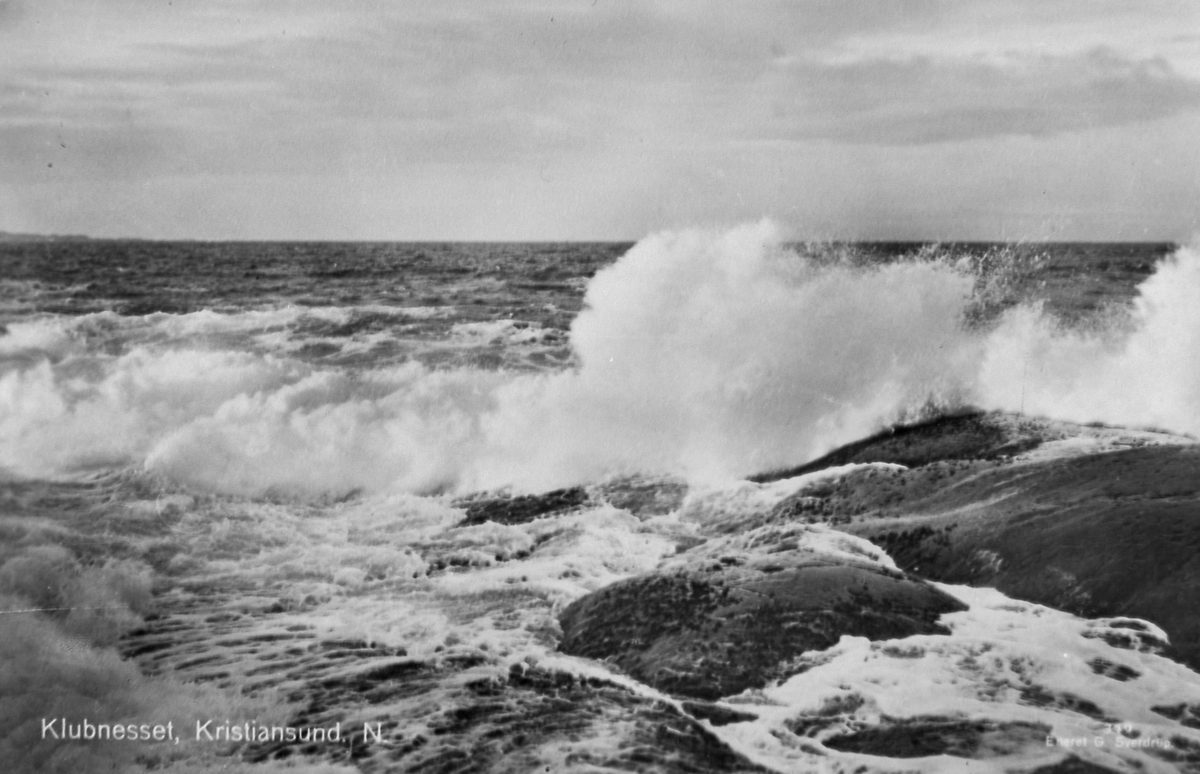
(333, 368)
(240, 482)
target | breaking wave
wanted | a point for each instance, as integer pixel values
(1143, 369)
(710, 354)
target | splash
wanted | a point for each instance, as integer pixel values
(707, 354)
(1142, 370)
(716, 354)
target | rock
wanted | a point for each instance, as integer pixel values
(716, 714)
(1073, 764)
(519, 510)
(713, 626)
(1111, 534)
(1099, 521)
(924, 736)
(968, 436)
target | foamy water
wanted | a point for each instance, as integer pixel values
(1145, 371)
(308, 456)
(710, 355)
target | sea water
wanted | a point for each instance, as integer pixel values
(199, 430)
(335, 368)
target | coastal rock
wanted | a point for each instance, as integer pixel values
(923, 736)
(521, 509)
(1094, 520)
(1111, 534)
(738, 613)
(972, 435)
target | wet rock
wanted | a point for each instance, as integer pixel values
(716, 714)
(968, 436)
(710, 628)
(1105, 534)
(924, 736)
(519, 510)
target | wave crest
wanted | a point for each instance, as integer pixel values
(708, 354)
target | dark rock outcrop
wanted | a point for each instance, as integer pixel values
(923, 736)
(1107, 527)
(522, 509)
(715, 629)
(1112, 534)
(968, 436)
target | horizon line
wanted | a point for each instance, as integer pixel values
(7, 237)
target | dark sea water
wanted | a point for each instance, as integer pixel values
(140, 277)
(221, 463)
(440, 284)
(411, 295)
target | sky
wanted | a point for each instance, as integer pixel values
(599, 119)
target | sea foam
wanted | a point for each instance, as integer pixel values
(710, 354)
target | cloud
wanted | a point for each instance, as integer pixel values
(11, 12)
(521, 82)
(923, 99)
(471, 116)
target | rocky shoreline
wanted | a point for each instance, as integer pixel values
(982, 590)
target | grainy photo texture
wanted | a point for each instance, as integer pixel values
(592, 386)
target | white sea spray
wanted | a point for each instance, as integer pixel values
(707, 354)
